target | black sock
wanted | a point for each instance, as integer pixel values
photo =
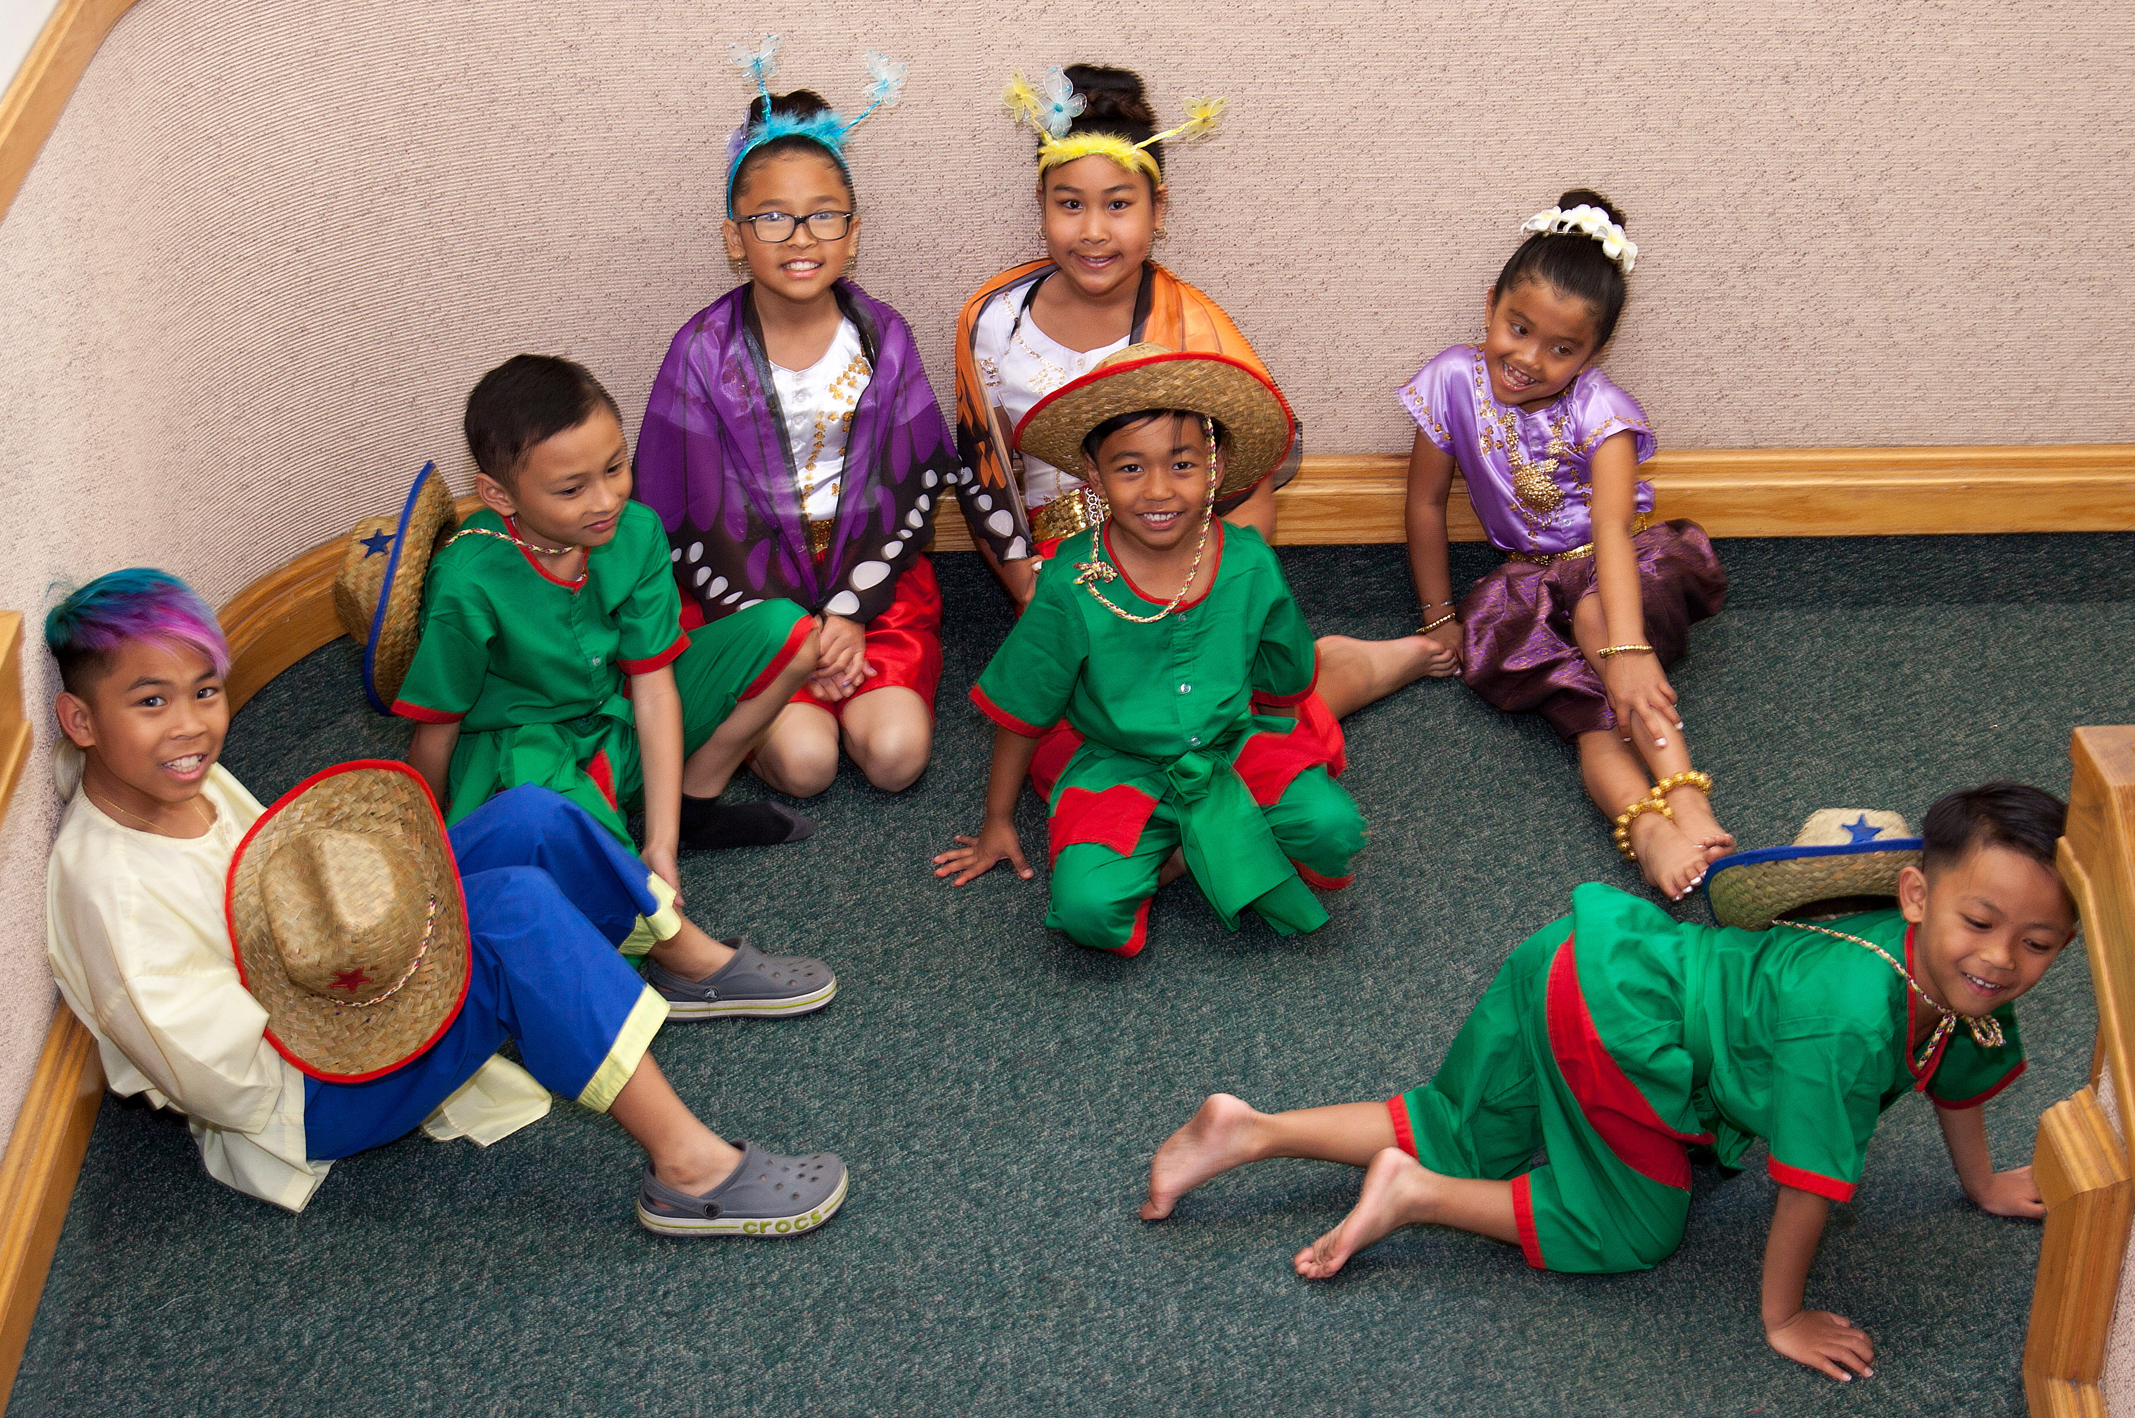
(708, 823)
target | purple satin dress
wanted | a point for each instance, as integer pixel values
(1529, 475)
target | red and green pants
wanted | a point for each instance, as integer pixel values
(1529, 1070)
(1115, 820)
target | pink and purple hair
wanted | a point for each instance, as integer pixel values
(88, 627)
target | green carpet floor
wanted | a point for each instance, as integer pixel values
(998, 1092)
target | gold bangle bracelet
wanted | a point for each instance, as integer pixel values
(1430, 625)
(1607, 650)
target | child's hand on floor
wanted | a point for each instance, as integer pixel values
(2010, 1193)
(1639, 692)
(1826, 1342)
(975, 856)
(1443, 659)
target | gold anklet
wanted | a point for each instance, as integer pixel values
(1688, 778)
(1629, 815)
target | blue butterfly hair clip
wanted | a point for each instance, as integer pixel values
(827, 128)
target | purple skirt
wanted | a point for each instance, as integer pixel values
(1520, 654)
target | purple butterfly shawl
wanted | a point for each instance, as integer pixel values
(713, 461)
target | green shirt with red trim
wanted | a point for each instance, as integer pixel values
(1158, 691)
(506, 644)
(1786, 1034)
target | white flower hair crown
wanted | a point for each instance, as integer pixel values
(1587, 221)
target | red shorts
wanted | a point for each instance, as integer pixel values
(903, 643)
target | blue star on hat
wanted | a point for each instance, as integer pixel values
(1860, 830)
(377, 544)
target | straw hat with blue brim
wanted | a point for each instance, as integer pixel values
(1841, 856)
(1255, 417)
(378, 592)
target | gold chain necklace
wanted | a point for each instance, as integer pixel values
(1045, 383)
(206, 819)
(1090, 572)
(508, 537)
(1986, 1030)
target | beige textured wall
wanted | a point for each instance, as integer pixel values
(272, 243)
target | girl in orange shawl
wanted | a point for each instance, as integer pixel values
(1101, 201)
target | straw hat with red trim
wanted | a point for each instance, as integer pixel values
(1840, 856)
(378, 590)
(1149, 376)
(347, 922)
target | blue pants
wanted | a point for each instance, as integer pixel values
(550, 895)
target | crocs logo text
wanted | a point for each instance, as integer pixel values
(783, 1227)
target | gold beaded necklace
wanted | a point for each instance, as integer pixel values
(1986, 1030)
(1090, 572)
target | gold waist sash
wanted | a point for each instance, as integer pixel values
(1069, 513)
(819, 536)
(1534, 558)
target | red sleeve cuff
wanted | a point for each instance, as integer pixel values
(666, 657)
(1830, 1188)
(426, 716)
(1286, 701)
(1002, 717)
(1978, 1098)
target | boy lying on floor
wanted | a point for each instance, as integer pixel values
(1617, 1037)
(327, 975)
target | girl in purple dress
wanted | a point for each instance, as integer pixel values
(1595, 599)
(793, 448)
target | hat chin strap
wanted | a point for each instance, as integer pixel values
(1088, 573)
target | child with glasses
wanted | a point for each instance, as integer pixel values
(1595, 597)
(794, 450)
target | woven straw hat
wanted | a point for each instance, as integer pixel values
(1841, 852)
(378, 592)
(347, 921)
(1147, 376)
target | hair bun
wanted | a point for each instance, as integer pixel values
(1588, 197)
(1111, 93)
(801, 103)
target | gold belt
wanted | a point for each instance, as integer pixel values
(1069, 513)
(819, 536)
(1535, 558)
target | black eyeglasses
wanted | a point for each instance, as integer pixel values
(774, 227)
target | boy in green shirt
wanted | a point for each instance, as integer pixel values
(552, 648)
(1617, 1038)
(1157, 636)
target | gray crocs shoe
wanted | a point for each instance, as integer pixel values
(751, 983)
(768, 1195)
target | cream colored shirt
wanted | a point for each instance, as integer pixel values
(138, 941)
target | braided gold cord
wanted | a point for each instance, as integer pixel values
(1986, 1030)
(1099, 570)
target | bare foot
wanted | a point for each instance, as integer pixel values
(1213, 1141)
(1174, 867)
(1693, 814)
(1671, 860)
(1395, 1187)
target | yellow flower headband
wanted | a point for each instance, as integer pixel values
(1050, 108)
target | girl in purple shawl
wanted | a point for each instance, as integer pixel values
(793, 449)
(1594, 598)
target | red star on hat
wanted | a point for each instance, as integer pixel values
(351, 980)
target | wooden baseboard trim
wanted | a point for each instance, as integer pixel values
(44, 1156)
(1342, 500)
(38, 93)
